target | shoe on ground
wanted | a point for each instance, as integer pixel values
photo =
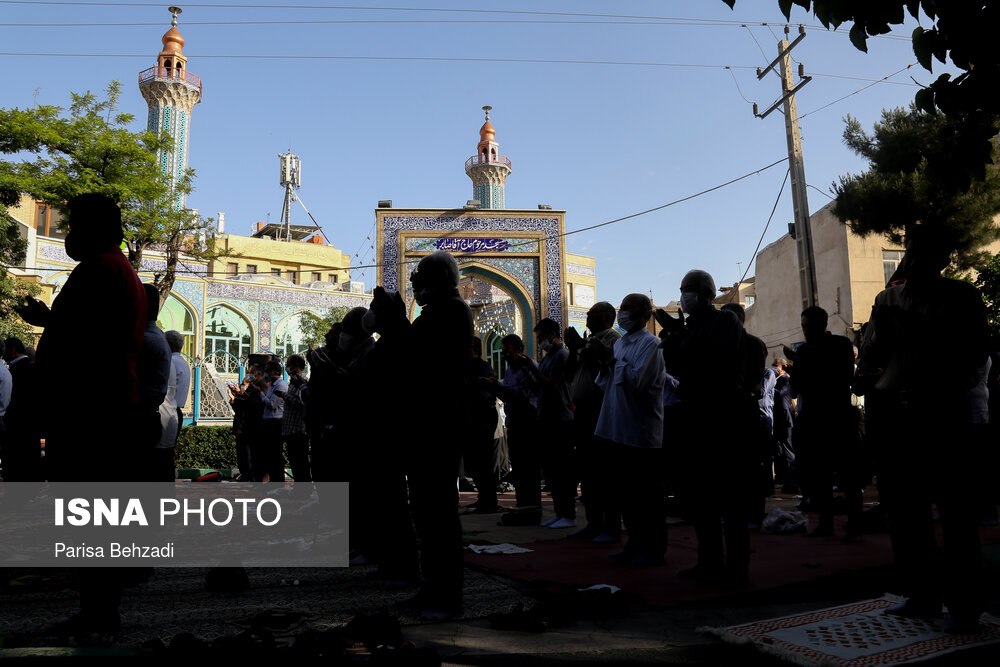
(911, 609)
(606, 538)
(546, 524)
(563, 523)
(586, 533)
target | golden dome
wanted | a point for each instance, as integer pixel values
(487, 133)
(173, 42)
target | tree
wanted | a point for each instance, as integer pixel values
(987, 281)
(900, 190)
(12, 252)
(314, 327)
(92, 149)
(962, 31)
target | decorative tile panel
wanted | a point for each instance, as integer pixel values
(581, 270)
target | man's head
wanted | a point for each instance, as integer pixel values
(273, 368)
(697, 291)
(354, 332)
(11, 348)
(736, 309)
(152, 302)
(634, 313)
(295, 364)
(600, 317)
(437, 273)
(546, 333)
(95, 224)
(928, 253)
(175, 339)
(511, 345)
(814, 321)
(477, 347)
(254, 371)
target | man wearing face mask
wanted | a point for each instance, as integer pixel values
(588, 357)
(439, 347)
(103, 288)
(555, 416)
(632, 418)
(705, 354)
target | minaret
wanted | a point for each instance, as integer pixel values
(487, 168)
(171, 93)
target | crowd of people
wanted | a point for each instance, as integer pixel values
(622, 416)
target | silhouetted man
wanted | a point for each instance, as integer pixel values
(705, 354)
(154, 375)
(588, 359)
(102, 306)
(21, 452)
(632, 418)
(479, 455)
(293, 424)
(909, 326)
(828, 440)
(440, 346)
(555, 417)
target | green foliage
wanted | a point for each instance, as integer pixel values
(988, 283)
(92, 149)
(12, 293)
(903, 186)
(961, 32)
(314, 327)
(206, 447)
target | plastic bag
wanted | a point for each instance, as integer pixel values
(783, 522)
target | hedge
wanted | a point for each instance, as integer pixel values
(206, 447)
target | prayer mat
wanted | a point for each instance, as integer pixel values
(855, 635)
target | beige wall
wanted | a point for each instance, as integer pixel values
(284, 255)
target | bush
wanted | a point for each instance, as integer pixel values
(206, 447)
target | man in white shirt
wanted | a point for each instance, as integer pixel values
(182, 369)
(632, 418)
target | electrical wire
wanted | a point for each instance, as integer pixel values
(753, 257)
(531, 241)
(398, 58)
(692, 21)
(754, 38)
(825, 194)
(738, 89)
(859, 90)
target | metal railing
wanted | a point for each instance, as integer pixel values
(477, 160)
(169, 73)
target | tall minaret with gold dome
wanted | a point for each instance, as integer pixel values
(487, 168)
(171, 93)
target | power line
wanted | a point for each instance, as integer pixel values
(687, 20)
(531, 241)
(738, 89)
(859, 90)
(753, 257)
(401, 58)
(825, 194)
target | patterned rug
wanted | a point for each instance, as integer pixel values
(855, 635)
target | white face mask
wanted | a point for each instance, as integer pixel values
(690, 301)
(625, 320)
(545, 346)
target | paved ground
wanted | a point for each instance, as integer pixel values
(656, 631)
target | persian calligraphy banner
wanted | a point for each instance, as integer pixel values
(471, 245)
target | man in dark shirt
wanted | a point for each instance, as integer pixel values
(439, 347)
(102, 306)
(828, 440)
(479, 454)
(927, 415)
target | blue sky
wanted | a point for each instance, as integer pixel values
(600, 141)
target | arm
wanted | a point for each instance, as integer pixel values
(648, 371)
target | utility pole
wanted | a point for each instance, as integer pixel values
(796, 166)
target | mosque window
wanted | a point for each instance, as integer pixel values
(226, 330)
(232, 268)
(288, 336)
(276, 273)
(177, 317)
(317, 276)
(293, 276)
(251, 268)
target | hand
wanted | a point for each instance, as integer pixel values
(33, 311)
(573, 339)
(669, 324)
